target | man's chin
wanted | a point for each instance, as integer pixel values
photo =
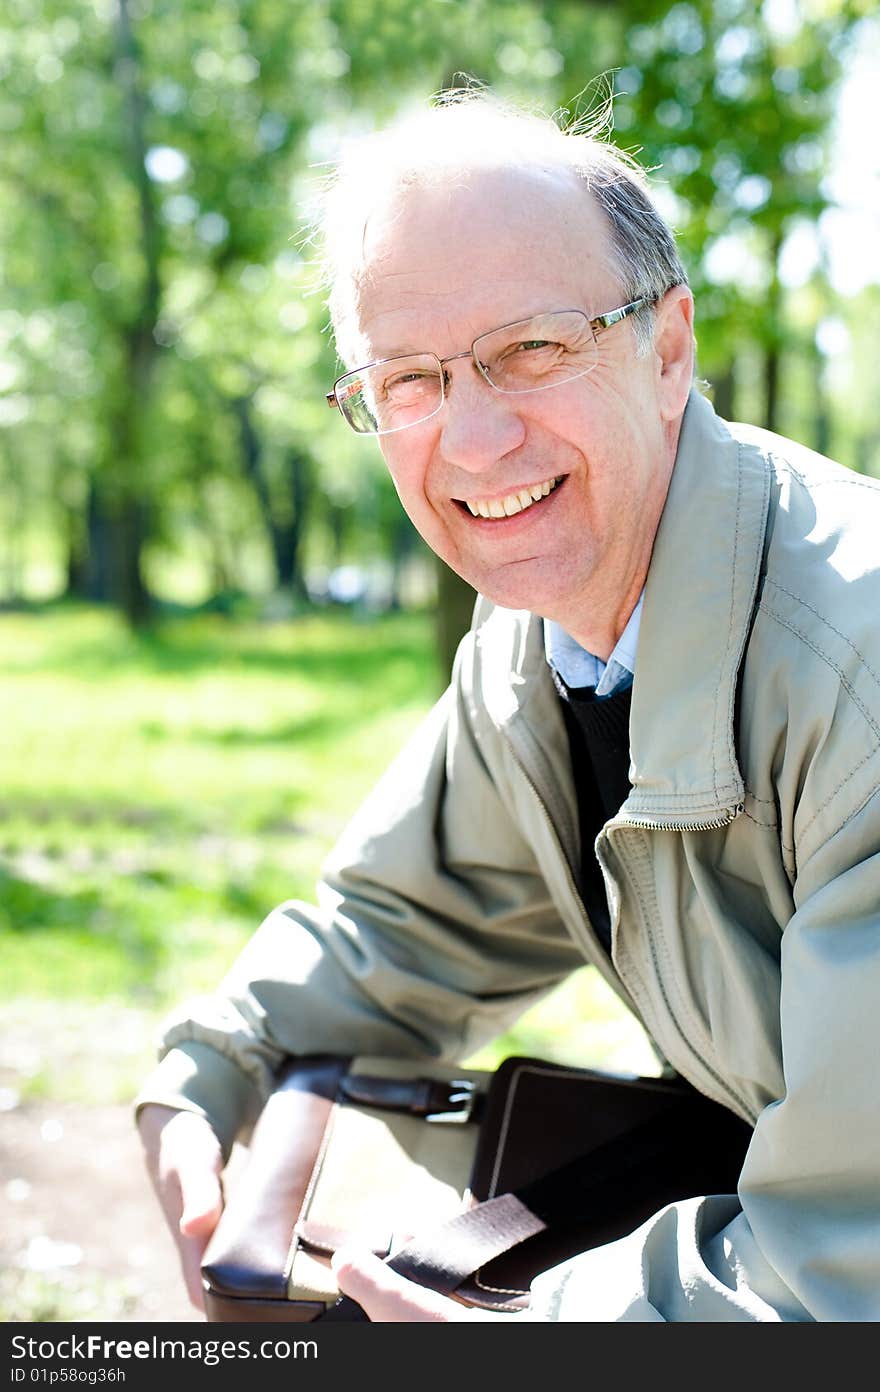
(539, 584)
(520, 593)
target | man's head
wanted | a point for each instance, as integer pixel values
(468, 218)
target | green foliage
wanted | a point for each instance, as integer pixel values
(158, 164)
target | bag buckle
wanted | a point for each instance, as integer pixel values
(458, 1107)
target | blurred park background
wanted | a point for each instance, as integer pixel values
(203, 575)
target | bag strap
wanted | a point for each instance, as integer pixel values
(443, 1258)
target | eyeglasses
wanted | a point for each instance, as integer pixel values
(529, 355)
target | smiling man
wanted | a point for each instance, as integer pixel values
(659, 751)
(444, 266)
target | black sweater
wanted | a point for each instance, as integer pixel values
(598, 737)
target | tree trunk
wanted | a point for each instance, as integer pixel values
(724, 393)
(97, 584)
(822, 425)
(301, 475)
(76, 549)
(337, 518)
(251, 447)
(771, 387)
(866, 454)
(403, 540)
(284, 537)
(11, 571)
(130, 531)
(127, 494)
(772, 354)
(455, 605)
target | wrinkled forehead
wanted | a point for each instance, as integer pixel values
(471, 247)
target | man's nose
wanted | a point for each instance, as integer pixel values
(479, 425)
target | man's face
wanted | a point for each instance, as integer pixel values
(446, 264)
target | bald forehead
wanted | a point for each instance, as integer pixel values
(447, 260)
(526, 218)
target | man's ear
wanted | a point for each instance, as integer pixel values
(674, 347)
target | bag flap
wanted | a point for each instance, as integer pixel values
(539, 1116)
(615, 1150)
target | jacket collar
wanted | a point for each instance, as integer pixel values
(698, 605)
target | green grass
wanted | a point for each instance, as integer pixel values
(159, 793)
(35, 1297)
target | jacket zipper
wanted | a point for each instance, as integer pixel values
(729, 815)
(721, 1092)
(596, 955)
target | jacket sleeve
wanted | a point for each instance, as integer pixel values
(433, 929)
(801, 1241)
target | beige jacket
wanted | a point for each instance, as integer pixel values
(742, 872)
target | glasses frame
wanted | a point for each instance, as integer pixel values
(596, 326)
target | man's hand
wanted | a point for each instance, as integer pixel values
(184, 1161)
(387, 1297)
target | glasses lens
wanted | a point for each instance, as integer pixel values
(391, 395)
(543, 351)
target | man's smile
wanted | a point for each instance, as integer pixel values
(511, 503)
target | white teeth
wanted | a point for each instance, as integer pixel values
(515, 502)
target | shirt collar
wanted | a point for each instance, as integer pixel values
(579, 668)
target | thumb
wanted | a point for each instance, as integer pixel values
(383, 1294)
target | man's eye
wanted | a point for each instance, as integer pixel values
(529, 345)
(403, 380)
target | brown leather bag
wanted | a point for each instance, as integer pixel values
(469, 1182)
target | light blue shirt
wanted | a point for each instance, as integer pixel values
(577, 667)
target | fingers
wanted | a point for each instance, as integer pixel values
(185, 1161)
(385, 1296)
(201, 1198)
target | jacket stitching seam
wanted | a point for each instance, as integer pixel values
(797, 598)
(846, 821)
(831, 796)
(787, 467)
(773, 825)
(769, 826)
(844, 680)
(658, 947)
(685, 1009)
(678, 798)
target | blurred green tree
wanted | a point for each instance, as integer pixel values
(164, 348)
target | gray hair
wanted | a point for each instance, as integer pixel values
(467, 130)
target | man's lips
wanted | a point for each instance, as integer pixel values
(511, 504)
